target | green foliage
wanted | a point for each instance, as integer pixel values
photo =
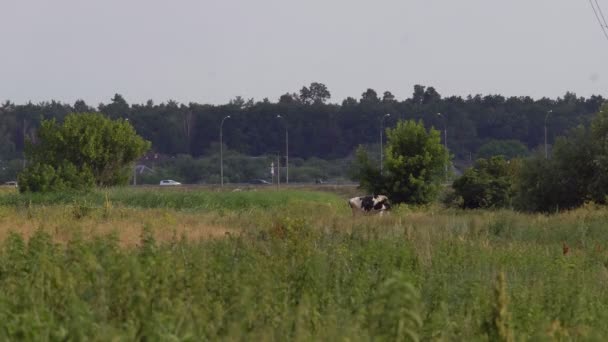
(258, 286)
(414, 164)
(179, 200)
(289, 275)
(317, 93)
(536, 186)
(239, 168)
(598, 182)
(487, 185)
(498, 327)
(509, 149)
(366, 173)
(316, 128)
(65, 176)
(86, 149)
(395, 310)
(575, 173)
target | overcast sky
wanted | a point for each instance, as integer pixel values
(210, 51)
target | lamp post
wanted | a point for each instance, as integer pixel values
(286, 150)
(445, 141)
(381, 139)
(546, 150)
(222, 152)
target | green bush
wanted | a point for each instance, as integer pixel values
(44, 178)
(87, 149)
(487, 185)
(575, 173)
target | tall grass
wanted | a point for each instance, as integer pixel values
(308, 271)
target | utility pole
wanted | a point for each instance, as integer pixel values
(286, 150)
(222, 152)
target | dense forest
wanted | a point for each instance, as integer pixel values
(317, 127)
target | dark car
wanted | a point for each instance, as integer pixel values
(259, 181)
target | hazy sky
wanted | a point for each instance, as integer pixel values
(210, 51)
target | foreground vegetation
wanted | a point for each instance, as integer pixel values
(271, 265)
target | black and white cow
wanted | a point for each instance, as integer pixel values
(376, 204)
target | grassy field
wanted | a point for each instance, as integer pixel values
(166, 264)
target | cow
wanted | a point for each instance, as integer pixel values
(376, 204)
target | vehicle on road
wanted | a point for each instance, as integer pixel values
(169, 182)
(13, 184)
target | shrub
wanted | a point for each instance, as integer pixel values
(86, 149)
(44, 177)
(576, 172)
(487, 185)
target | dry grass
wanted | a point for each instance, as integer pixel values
(314, 244)
(64, 223)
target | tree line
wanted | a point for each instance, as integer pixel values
(90, 149)
(317, 127)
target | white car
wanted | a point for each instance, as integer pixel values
(12, 184)
(169, 182)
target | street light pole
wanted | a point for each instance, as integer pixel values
(382, 139)
(546, 150)
(286, 150)
(222, 152)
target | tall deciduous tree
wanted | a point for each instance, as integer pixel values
(118, 108)
(414, 165)
(316, 93)
(415, 162)
(369, 96)
(86, 149)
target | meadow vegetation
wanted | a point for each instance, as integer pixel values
(293, 265)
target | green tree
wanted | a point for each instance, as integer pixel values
(598, 184)
(370, 96)
(118, 108)
(487, 185)
(414, 165)
(388, 97)
(366, 173)
(317, 93)
(565, 180)
(87, 149)
(415, 162)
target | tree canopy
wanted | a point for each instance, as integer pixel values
(87, 149)
(317, 127)
(414, 165)
(489, 184)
